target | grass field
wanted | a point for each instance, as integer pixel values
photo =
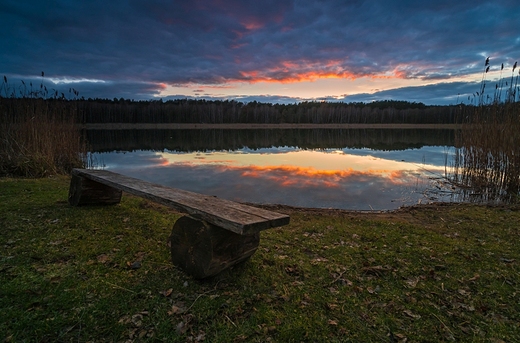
(435, 273)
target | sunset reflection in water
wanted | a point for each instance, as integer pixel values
(360, 179)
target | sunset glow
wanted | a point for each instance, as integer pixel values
(305, 87)
(303, 168)
(340, 178)
(279, 52)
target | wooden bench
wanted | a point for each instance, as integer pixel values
(216, 234)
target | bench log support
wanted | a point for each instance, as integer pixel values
(203, 250)
(84, 191)
(216, 234)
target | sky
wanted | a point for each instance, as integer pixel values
(278, 51)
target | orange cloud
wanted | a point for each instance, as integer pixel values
(299, 176)
(301, 71)
(294, 71)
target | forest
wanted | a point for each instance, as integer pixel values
(230, 111)
(87, 111)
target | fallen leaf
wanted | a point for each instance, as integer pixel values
(55, 279)
(125, 319)
(142, 333)
(332, 306)
(200, 337)
(346, 282)
(103, 258)
(319, 259)
(474, 278)
(464, 292)
(180, 328)
(140, 255)
(411, 314)
(401, 338)
(167, 292)
(137, 320)
(412, 283)
(177, 308)
(131, 333)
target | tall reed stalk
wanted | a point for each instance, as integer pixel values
(488, 155)
(39, 137)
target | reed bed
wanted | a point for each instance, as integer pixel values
(488, 155)
(487, 158)
(39, 137)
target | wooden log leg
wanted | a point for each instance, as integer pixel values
(84, 191)
(203, 250)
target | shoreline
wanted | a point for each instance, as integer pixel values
(242, 126)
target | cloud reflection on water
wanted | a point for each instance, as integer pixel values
(307, 178)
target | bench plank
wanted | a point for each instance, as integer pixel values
(236, 217)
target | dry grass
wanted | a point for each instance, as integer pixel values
(39, 137)
(488, 154)
(488, 157)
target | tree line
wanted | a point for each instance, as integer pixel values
(230, 111)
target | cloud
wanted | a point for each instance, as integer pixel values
(436, 94)
(87, 88)
(446, 93)
(136, 47)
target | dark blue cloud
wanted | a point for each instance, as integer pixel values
(436, 94)
(137, 47)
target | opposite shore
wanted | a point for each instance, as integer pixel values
(242, 126)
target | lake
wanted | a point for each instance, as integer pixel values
(354, 169)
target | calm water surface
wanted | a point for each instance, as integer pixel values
(342, 177)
